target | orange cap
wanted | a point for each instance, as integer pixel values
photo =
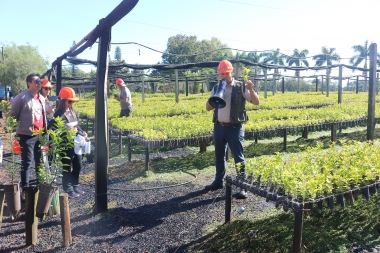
(46, 83)
(67, 93)
(225, 67)
(119, 81)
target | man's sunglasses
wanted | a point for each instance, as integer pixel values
(45, 88)
(70, 101)
(38, 81)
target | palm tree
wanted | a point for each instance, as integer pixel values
(327, 56)
(362, 54)
(297, 58)
(255, 57)
(274, 57)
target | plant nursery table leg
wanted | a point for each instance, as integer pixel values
(297, 236)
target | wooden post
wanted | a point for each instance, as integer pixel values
(322, 88)
(340, 85)
(283, 84)
(1, 208)
(333, 132)
(274, 83)
(285, 139)
(256, 137)
(146, 156)
(65, 219)
(227, 210)
(328, 82)
(357, 84)
(298, 85)
(31, 220)
(202, 146)
(316, 84)
(143, 88)
(176, 86)
(298, 224)
(372, 92)
(304, 133)
(129, 149)
(58, 82)
(101, 112)
(120, 143)
(187, 86)
(265, 83)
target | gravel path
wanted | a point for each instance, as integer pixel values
(159, 220)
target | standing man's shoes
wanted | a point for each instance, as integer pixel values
(242, 194)
(214, 186)
(72, 195)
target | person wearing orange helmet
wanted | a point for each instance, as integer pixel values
(28, 108)
(46, 93)
(72, 161)
(228, 123)
(124, 98)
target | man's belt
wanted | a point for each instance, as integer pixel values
(226, 124)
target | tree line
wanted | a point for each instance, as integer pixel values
(18, 61)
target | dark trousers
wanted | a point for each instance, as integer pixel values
(125, 112)
(233, 136)
(30, 149)
(70, 178)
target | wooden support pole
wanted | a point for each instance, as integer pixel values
(333, 132)
(265, 83)
(298, 224)
(101, 112)
(202, 146)
(322, 88)
(120, 143)
(298, 85)
(256, 137)
(31, 220)
(143, 88)
(283, 85)
(316, 84)
(129, 149)
(340, 84)
(147, 156)
(176, 86)
(227, 210)
(187, 86)
(65, 219)
(2, 194)
(285, 139)
(304, 133)
(328, 82)
(357, 84)
(58, 82)
(372, 92)
(274, 83)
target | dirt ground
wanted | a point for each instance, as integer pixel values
(142, 217)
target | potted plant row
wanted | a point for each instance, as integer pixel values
(12, 187)
(54, 143)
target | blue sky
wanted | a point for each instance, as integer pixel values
(52, 26)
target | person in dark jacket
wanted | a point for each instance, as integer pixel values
(28, 108)
(73, 164)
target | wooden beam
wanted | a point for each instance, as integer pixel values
(101, 123)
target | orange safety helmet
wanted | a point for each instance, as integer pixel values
(225, 67)
(46, 83)
(67, 93)
(120, 81)
(16, 147)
